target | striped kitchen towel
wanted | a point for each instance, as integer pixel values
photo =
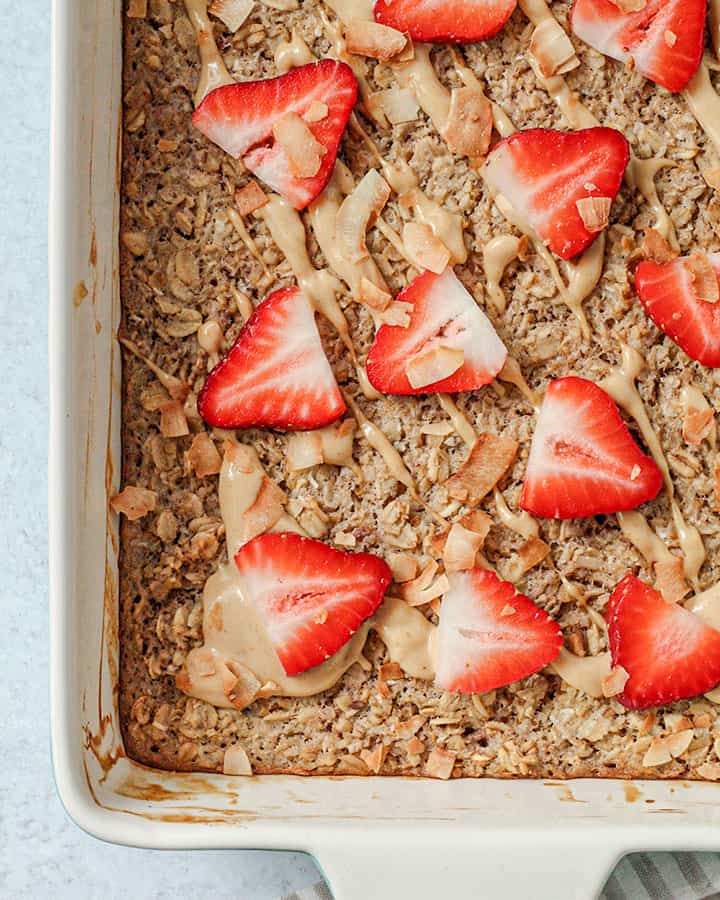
(640, 876)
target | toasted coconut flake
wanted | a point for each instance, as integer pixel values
(426, 251)
(648, 723)
(398, 314)
(709, 771)
(697, 425)
(704, 279)
(203, 456)
(712, 176)
(304, 451)
(173, 421)
(489, 459)
(433, 365)
(232, 13)
(614, 683)
(134, 502)
(359, 211)
(400, 105)
(249, 198)
(595, 212)
(236, 762)
(469, 125)
(461, 548)
(303, 151)
(655, 248)
(240, 685)
(532, 552)
(423, 589)
(337, 442)
(365, 38)
(677, 722)
(391, 671)
(440, 764)
(409, 726)
(670, 579)
(552, 49)
(575, 643)
(373, 296)
(137, 9)
(414, 747)
(664, 749)
(345, 539)
(316, 112)
(403, 567)
(374, 758)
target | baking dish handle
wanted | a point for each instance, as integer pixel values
(450, 866)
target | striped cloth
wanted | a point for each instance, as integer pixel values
(640, 876)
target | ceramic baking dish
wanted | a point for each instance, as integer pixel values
(379, 838)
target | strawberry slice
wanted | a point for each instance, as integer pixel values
(544, 173)
(583, 460)
(312, 598)
(664, 39)
(240, 119)
(669, 653)
(454, 21)
(489, 635)
(444, 317)
(276, 375)
(669, 294)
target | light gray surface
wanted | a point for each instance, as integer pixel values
(42, 854)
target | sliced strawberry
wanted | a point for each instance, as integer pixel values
(664, 39)
(583, 460)
(669, 295)
(454, 21)
(276, 375)
(240, 119)
(311, 597)
(489, 635)
(544, 173)
(443, 315)
(669, 653)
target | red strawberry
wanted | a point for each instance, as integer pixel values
(664, 39)
(545, 173)
(583, 460)
(443, 315)
(670, 297)
(276, 375)
(455, 21)
(669, 653)
(489, 635)
(240, 119)
(311, 597)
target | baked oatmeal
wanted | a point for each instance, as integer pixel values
(420, 337)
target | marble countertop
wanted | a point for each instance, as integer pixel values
(43, 853)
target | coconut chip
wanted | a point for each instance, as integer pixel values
(332, 445)
(670, 579)
(703, 277)
(134, 502)
(359, 211)
(489, 459)
(663, 750)
(469, 125)
(316, 112)
(374, 758)
(461, 547)
(249, 198)
(403, 567)
(137, 9)
(440, 764)
(709, 771)
(532, 552)
(614, 683)
(595, 212)
(552, 49)
(173, 421)
(240, 685)
(203, 456)
(423, 589)
(424, 249)
(697, 425)
(268, 505)
(655, 248)
(400, 105)
(433, 365)
(236, 762)
(232, 13)
(303, 151)
(371, 39)
(304, 450)
(373, 296)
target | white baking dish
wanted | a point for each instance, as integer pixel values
(374, 837)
